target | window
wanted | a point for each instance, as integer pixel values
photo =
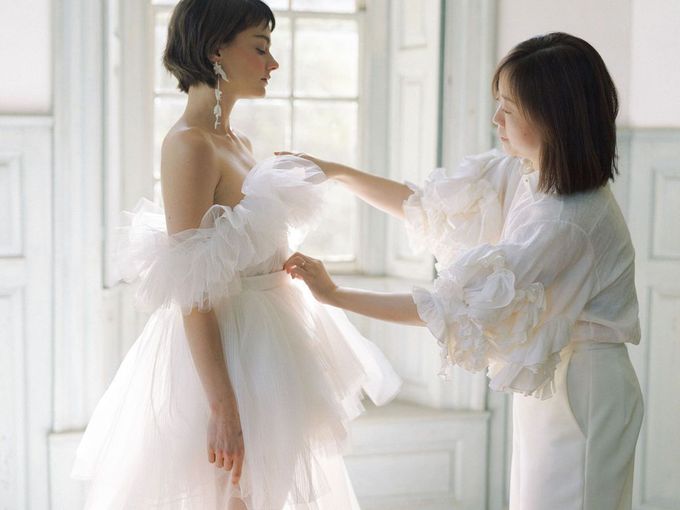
(313, 104)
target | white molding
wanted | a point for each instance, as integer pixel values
(26, 321)
(469, 63)
(23, 121)
(412, 149)
(13, 421)
(652, 149)
(404, 456)
(374, 131)
(11, 198)
(78, 113)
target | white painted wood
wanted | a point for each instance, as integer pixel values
(65, 493)
(413, 114)
(78, 338)
(25, 311)
(469, 63)
(374, 131)
(11, 232)
(405, 456)
(653, 196)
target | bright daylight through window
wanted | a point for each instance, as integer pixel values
(313, 103)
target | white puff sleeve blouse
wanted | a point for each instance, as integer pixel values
(520, 273)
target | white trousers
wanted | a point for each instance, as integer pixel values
(576, 450)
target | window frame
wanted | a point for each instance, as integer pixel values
(129, 123)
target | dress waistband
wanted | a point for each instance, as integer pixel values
(595, 346)
(264, 281)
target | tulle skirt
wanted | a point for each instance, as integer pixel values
(298, 369)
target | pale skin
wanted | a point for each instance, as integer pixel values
(519, 138)
(202, 166)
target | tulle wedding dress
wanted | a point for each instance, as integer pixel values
(299, 368)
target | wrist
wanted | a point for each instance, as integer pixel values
(332, 297)
(331, 170)
(223, 405)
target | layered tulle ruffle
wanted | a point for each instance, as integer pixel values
(451, 214)
(197, 268)
(483, 319)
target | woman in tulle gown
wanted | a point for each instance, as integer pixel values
(535, 277)
(238, 392)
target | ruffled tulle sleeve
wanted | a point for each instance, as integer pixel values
(510, 308)
(199, 267)
(450, 214)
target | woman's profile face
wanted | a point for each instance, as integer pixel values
(248, 62)
(517, 133)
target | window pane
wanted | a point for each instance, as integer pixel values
(277, 5)
(163, 80)
(326, 58)
(325, 5)
(166, 112)
(279, 85)
(266, 122)
(336, 237)
(327, 129)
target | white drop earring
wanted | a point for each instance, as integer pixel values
(217, 111)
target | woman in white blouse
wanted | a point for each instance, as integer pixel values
(535, 275)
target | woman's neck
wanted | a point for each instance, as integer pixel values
(200, 105)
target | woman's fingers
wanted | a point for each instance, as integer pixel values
(236, 471)
(228, 462)
(297, 259)
(211, 456)
(219, 461)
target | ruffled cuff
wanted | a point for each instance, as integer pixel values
(532, 371)
(194, 269)
(481, 320)
(449, 215)
(431, 312)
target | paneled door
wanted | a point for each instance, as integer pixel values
(654, 220)
(25, 310)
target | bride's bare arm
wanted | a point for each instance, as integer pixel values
(189, 179)
(393, 307)
(381, 193)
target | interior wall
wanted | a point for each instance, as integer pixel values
(26, 57)
(639, 41)
(655, 77)
(606, 24)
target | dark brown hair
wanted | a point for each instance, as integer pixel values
(198, 28)
(561, 84)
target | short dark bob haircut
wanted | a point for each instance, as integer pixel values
(198, 28)
(561, 84)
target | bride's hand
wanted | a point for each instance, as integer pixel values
(225, 440)
(313, 273)
(326, 166)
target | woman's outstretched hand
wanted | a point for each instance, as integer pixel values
(313, 273)
(225, 440)
(326, 166)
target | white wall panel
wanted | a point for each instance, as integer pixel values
(13, 468)
(654, 193)
(11, 223)
(26, 56)
(25, 311)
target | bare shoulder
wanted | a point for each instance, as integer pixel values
(189, 151)
(189, 177)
